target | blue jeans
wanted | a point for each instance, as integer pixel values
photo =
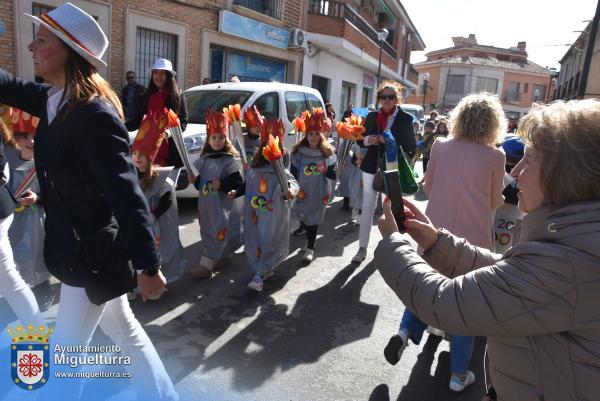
(461, 347)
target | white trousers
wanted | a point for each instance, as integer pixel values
(12, 287)
(75, 325)
(369, 202)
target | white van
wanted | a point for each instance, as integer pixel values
(414, 110)
(273, 100)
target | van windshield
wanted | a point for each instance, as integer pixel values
(198, 102)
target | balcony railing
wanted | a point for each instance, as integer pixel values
(272, 8)
(335, 9)
(413, 74)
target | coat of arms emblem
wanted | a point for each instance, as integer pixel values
(30, 356)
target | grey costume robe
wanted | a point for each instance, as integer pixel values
(266, 219)
(355, 179)
(26, 232)
(219, 217)
(345, 174)
(166, 229)
(315, 188)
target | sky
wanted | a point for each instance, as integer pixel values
(546, 25)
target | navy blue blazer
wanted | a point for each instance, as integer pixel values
(403, 132)
(87, 180)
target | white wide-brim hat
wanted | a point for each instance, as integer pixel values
(163, 64)
(78, 30)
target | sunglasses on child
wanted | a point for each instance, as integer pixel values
(387, 97)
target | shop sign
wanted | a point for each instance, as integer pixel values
(250, 68)
(237, 25)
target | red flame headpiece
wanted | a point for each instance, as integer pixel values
(272, 127)
(253, 118)
(152, 132)
(22, 121)
(216, 123)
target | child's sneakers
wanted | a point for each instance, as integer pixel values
(459, 384)
(256, 284)
(309, 255)
(200, 272)
(395, 347)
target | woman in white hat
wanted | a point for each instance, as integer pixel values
(98, 226)
(162, 92)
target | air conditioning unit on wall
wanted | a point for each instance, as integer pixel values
(298, 38)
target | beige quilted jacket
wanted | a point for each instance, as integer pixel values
(538, 304)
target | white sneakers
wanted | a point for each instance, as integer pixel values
(458, 384)
(309, 255)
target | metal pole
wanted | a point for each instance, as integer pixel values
(588, 54)
(379, 67)
(424, 92)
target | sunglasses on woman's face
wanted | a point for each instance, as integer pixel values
(387, 97)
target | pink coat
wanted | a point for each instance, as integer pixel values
(464, 185)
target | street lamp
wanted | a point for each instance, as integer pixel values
(381, 35)
(425, 80)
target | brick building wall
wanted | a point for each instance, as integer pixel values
(194, 15)
(7, 39)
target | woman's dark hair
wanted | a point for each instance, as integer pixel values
(171, 87)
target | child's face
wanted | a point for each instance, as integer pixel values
(254, 131)
(216, 142)
(140, 160)
(24, 142)
(442, 127)
(314, 139)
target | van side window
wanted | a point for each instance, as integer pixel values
(295, 103)
(313, 101)
(268, 105)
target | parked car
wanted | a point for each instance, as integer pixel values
(414, 110)
(273, 100)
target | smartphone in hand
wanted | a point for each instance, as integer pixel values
(394, 193)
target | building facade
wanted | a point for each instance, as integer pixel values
(203, 38)
(571, 68)
(468, 67)
(343, 49)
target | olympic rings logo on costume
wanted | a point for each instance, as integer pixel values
(207, 189)
(314, 169)
(261, 203)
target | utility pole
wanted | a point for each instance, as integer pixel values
(589, 53)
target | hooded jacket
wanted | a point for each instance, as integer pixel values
(537, 303)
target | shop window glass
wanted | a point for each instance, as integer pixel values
(268, 105)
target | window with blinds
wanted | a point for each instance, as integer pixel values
(150, 45)
(455, 85)
(484, 84)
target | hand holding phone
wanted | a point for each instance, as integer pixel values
(394, 192)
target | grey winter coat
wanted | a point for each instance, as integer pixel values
(537, 303)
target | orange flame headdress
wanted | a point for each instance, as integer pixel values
(271, 127)
(152, 132)
(22, 121)
(216, 123)
(253, 118)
